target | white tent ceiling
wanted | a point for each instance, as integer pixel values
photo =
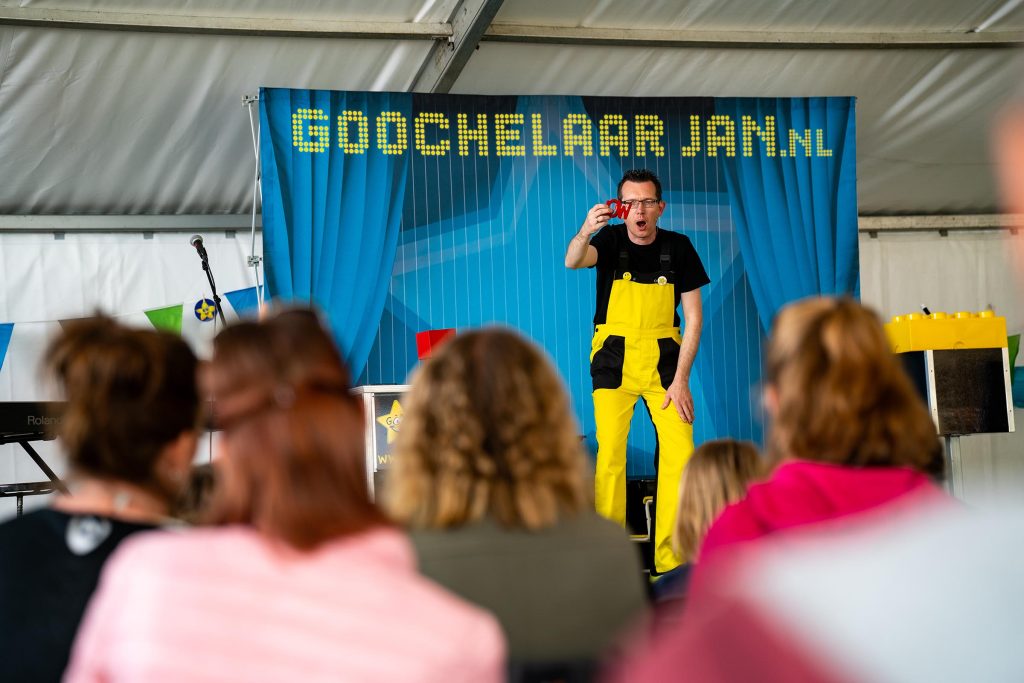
(131, 121)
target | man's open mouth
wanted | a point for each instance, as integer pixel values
(641, 224)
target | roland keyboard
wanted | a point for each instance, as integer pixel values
(22, 421)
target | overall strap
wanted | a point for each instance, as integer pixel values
(623, 261)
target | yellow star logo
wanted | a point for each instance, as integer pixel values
(206, 311)
(392, 421)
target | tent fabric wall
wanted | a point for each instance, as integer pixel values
(923, 117)
(85, 131)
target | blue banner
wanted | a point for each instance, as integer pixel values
(399, 213)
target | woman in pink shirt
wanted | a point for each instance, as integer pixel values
(850, 447)
(848, 434)
(302, 578)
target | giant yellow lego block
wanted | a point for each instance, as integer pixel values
(962, 330)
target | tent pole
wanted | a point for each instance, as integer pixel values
(257, 194)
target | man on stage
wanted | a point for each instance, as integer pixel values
(643, 273)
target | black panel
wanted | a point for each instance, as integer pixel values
(970, 391)
(916, 365)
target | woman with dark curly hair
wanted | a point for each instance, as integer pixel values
(489, 473)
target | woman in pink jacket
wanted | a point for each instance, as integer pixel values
(301, 578)
(850, 447)
(848, 434)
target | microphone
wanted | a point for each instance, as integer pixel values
(197, 242)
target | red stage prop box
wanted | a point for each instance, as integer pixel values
(427, 341)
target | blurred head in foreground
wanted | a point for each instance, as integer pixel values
(291, 463)
(487, 431)
(836, 392)
(1008, 149)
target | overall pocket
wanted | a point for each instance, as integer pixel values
(668, 359)
(606, 363)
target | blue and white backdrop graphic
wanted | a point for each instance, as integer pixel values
(398, 213)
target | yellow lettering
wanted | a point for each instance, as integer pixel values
(649, 130)
(767, 135)
(401, 136)
(362, 131)
(504, 135)
(805, 141)
(478, 134)
(820, 149)
(318, 136)
(726, 139)
(539, 148)
(570, 138)
(620, 139)
(438, 149)
(691, 149)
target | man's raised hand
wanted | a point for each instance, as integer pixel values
(597, 218)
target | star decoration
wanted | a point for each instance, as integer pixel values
(206, 311)
(392, 421)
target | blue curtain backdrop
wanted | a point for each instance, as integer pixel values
(795, 218)
(474, 232)
(330, 219)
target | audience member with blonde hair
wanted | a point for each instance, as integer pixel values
(716, 476)
(848, 434)
(129, 429)
(489, 474)
(301, 578)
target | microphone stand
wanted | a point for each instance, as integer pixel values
(213, 286)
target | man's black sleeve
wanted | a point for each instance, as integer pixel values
(693, 275)
(604, 242)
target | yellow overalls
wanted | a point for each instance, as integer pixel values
(633, 354)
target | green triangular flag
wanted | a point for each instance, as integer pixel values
(168, 318)
(1013, 346)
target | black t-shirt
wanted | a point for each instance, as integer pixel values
(50, 563)
(687, 270)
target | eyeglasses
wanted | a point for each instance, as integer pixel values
(646, 203)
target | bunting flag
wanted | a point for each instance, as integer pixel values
(194, 319)
(5, 340)
(244, 301)
(167, 318)
(1012, 347)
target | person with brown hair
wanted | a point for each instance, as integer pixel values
(300, 577)
(489, 475)
(129, 429)
(848, 434)
(851, 448)
(716, 476)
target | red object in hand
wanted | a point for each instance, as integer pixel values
(621, 208)
(427, 341)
